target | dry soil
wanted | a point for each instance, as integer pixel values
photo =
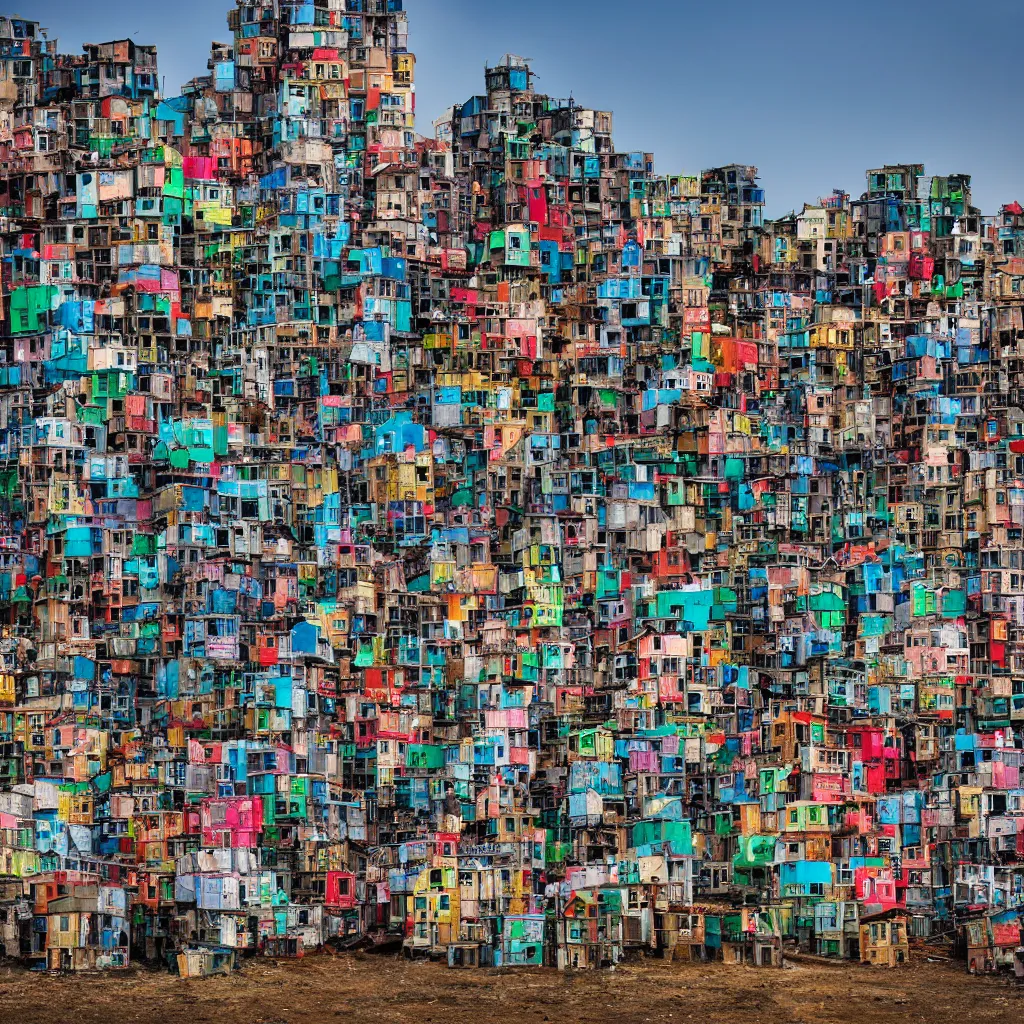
(362, 989)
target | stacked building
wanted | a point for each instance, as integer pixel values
(485, 541)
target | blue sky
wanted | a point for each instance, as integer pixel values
(812, 93)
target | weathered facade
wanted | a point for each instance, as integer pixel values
(486, 540)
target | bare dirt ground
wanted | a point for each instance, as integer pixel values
(382, 990)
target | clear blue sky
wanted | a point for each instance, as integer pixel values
(812, 93)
